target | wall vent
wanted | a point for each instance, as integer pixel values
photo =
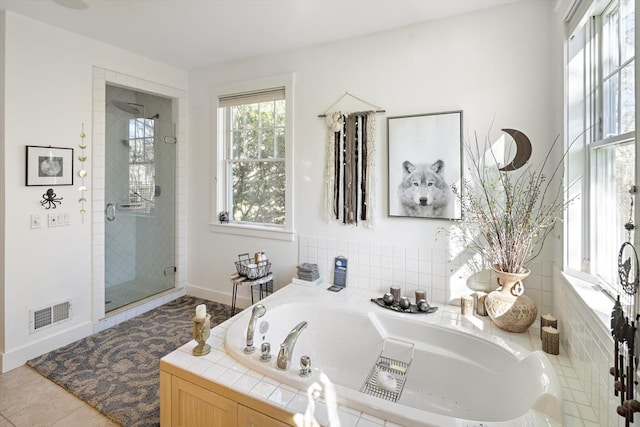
(48, 316)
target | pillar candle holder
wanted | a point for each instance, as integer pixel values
(201, 332)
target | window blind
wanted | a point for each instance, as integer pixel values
(579, 11)
(234, 99)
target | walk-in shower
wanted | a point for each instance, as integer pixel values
(139, 211)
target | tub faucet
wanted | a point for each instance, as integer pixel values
(286, 348)
(258, 311)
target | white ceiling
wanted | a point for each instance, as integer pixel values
(192, 34)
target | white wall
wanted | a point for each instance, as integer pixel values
(492, 64)
(48, 95)
(2, 179)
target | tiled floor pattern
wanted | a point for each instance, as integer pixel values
(28, 399)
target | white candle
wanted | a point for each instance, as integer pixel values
(201, 312)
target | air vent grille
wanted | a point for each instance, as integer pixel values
(50, 315)
(41, 318)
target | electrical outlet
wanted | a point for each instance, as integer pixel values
(59, 219)
(36, 221)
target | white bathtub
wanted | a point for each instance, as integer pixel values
(456, 378)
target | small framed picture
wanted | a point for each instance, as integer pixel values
(425, 160)
(49, 165)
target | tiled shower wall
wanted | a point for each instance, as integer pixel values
(120, 260)
(378, 265)
(139, 246)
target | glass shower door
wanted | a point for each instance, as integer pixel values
(139, 211)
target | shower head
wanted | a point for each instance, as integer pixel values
(127, 107)
(155, 116)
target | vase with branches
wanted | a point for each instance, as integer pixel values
(507, 216)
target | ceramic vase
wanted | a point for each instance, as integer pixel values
(507, 306)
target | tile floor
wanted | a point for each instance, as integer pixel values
(27, 399)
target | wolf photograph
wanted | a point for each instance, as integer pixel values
(424, 161)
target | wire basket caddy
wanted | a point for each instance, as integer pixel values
(248, 268)
(389, 366)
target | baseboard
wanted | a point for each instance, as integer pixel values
(18, 357)
(218, 296)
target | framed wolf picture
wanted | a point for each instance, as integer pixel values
(425, 160)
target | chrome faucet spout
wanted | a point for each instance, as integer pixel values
(258, 311)
(286, 348)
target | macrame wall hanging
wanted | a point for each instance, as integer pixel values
(349, 171)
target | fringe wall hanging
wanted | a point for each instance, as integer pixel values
(349, 171)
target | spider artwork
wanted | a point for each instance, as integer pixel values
(50, 199)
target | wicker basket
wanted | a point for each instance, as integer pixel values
(248, 268)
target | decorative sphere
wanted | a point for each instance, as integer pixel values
(404, 303)
(423, 305)
(388, 299)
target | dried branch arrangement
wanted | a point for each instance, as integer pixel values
(507, 216)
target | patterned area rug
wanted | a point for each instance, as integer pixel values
(117, 371)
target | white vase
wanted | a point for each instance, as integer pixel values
(507, 306)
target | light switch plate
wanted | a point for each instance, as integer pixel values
(36, 221)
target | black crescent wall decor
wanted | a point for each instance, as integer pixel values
(523, 150)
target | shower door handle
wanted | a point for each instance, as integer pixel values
(170, 140)
(110, 212)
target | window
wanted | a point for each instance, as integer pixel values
(141, 165)
(255, 159)
(601, 120)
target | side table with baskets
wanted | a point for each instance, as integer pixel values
(250, 273)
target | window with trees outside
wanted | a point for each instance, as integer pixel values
(252, 129)
(600, 173)
(141, 165)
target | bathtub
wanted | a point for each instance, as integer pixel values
(456, 377)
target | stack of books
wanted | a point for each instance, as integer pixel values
(308, 272)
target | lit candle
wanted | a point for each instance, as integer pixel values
(201, 312)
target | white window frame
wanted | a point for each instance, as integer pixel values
(593, 139)
(221, 185)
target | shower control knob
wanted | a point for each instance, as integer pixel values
(265, 348)
(305, 366)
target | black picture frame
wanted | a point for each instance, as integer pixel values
(424, 162)
(48, 166)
